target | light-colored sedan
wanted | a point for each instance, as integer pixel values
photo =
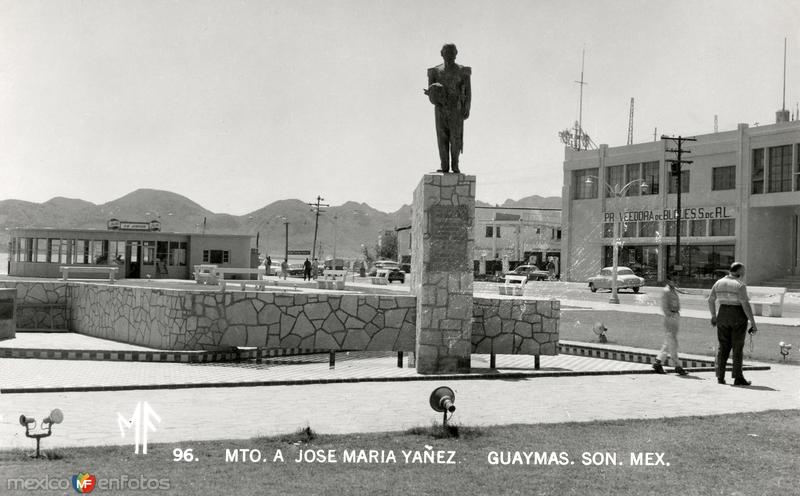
(626, 279)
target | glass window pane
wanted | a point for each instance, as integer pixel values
(148, 252)
(632, 173)
(651, 177)
(615, 177)
(698, 228)
(647, 229)
(582, 189)
(780, 169)
(723, 178)
(758, 171)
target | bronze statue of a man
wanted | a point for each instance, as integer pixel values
(450, 91)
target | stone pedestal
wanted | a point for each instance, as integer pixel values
(443, 214)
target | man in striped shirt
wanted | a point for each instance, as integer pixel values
(731, 321)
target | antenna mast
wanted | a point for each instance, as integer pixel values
(579, 128)
(784, 74)
(630, 125)
(575, 138)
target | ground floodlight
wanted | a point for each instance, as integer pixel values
(600, 330)
(442, 400)
(785, 349)
(56, 417)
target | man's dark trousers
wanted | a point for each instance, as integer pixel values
(731, 333)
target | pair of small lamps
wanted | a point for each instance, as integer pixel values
(29, 423)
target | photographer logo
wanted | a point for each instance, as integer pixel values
(84, 482)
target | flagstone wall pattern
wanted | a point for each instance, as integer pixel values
(171, 319)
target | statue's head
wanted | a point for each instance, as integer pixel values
(449, 52)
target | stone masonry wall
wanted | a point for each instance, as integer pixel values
(512, 326)
(30, 294)
(184, 320)
(195, 320)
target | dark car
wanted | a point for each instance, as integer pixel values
(396, 274)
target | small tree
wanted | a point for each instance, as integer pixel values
(387, 247)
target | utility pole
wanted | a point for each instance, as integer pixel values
(286, 251)
(315, 207)
(675, 170)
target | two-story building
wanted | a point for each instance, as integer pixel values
(740, 200)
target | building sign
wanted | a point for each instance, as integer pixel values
(126, 225)
(299, 252)
(692, 213)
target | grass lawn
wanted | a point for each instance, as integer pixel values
(731, 454)
(696, 336)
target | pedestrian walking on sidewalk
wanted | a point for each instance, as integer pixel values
(284, 268)
(731, 321)
(671, 306)
(306, 270)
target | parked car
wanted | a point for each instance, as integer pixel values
(533, 272)
(396, 274)
(382, 264)
(626, 279)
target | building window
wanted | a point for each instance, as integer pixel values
(558, 233)
(177, 253)
(673, 182)
(647, 229)
(497, 231)
(148, 252)
(698, 228)
(651, 177)
(780, 169)
(629, 229)
(670, 228)
(25, 250)
(723, 227)
(702, 264)
(584, 190)
(215, 256)
(758, 171)
(615, 177)
(608, 229)
(643, 260)
(723, 178)
(633, 172)
(162, 251)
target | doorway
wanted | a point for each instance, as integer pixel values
(133, 255)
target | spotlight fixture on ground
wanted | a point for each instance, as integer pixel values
(600, 330)
(29, 423)
(442, 400)
(785, 349)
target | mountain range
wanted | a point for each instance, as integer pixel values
(343, 229)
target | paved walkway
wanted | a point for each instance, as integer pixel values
(220, 413)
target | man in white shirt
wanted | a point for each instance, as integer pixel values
(731, 321)
(671, 306)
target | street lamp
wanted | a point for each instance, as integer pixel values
(618, 192)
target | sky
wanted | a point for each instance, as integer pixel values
(237, 104)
